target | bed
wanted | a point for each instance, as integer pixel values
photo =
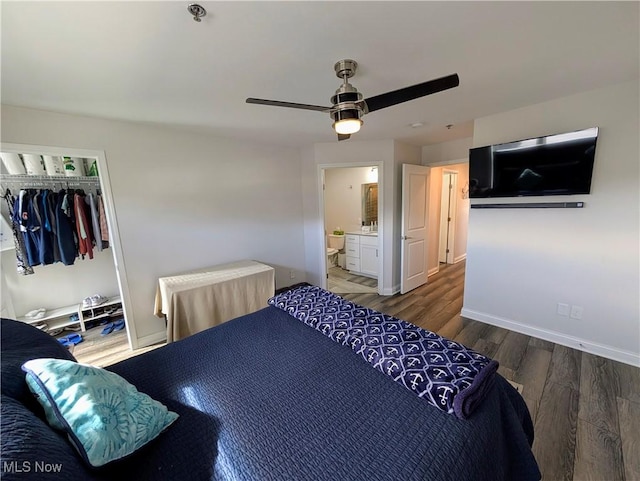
(267, 397)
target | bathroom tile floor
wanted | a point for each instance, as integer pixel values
(342, 281)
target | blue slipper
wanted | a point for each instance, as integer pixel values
(118, 325)
(108, 329)
(65, 342)
(74, 338)
(70, 340)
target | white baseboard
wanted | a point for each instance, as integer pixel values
(460, 258)
(433, 270)
(609, 352)
(390, 292)
(152, 339)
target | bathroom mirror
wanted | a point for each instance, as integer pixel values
(369, 203)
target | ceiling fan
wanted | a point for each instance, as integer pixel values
(349, 106)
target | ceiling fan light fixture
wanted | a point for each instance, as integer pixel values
(348, 105)
(347, 126)
(347, 120)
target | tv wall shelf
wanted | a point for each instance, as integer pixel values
(531, 205)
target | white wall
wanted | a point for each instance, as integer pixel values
(183, 200)
(6, 305)
(343, 197)
(522, 262)
(57, 285)
(446, 151)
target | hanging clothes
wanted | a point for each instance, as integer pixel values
(104, 228)
(52, 227)
(95, 221)
(50, 222)
(45, 241)
(66, 231)
(28, 226)
(83, 228)
(22, 264)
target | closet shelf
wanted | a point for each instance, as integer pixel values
(103, 315)
(57, 318)
(60, 317)
(53, 314)
(48, 179)
(101, 311)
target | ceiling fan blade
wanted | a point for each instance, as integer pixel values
(344, 137)
(410, 93)
(277, 103)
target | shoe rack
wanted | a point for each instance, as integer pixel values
(112, 307)
(67, 316)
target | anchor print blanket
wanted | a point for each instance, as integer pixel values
(448, 375)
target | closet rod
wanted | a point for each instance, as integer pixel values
(45, 180)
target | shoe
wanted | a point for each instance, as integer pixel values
(108, 329)
(86, 302)
(35, 314)
(118, 325)
(65, 342)
(71, 339)
(98, 300)
(75, 338)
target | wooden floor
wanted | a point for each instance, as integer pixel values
(103, 350)
(586, 409)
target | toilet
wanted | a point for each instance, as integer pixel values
(335, 243)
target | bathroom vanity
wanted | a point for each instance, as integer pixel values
(362, 253)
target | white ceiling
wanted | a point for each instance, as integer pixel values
(150, 62)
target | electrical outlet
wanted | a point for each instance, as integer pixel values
(563, 309)
(292, 274)
(576, 312)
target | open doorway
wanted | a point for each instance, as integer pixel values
(352, 219)
(441, 208)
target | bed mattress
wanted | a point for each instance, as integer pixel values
(265, 397)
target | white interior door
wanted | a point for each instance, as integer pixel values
(448, 216)
(415, 212)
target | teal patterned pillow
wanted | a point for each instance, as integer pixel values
(105, 417)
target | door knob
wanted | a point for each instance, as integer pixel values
(406, 237)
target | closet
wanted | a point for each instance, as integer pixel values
(60, 253)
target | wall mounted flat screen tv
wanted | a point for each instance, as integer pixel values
(560, 164)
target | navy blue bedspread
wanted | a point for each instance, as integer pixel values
(444, 373)
(264, 397)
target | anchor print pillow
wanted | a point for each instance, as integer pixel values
(105, 417)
